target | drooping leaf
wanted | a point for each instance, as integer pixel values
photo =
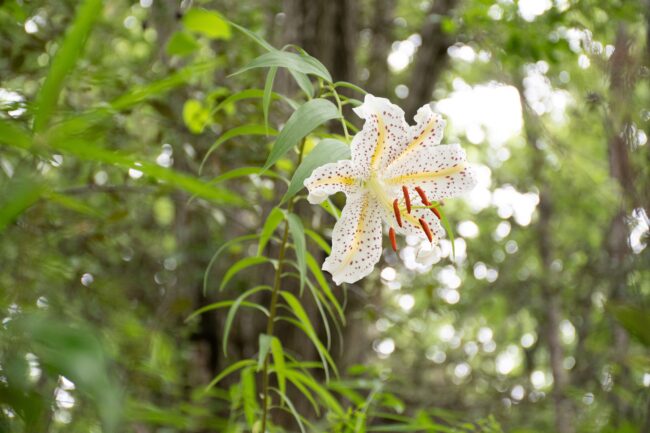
(279, 364)
(239, 266)
(326, 151)
(250, 129)
(268, 92)
(276, 216)
(264, 348)
(232, 312)
(303, 121)
(298, 235)
(229, 370)
(296, 62)
(225, 304)
(249, 396)
(217, 253)
(207, 23)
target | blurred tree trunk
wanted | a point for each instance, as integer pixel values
(382, 38)
(431, 58)
(620, 131)
(326, 29)
(552, 316)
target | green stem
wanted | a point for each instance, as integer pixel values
(277, 282)
(340, 106)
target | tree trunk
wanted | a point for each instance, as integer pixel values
(382, 38)
(431, 58)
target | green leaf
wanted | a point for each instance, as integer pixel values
(328, 399)
(217, 253)
(326, 151)
(303, 121)
(239, 266)
(305, 324)
(276, 216)
(350, 86)
(279, 364)
(86, 151)
(249, 396)
(229, 370)
(245, 171)
(450, 232)
(265, 347)
(318, 239)
(64, 61)
(303, 82)
(268, 92)
(295, 62)
(232, 312)
(298, 235)
(250, 129)
(13, 135)
(224, 304)
(195, 116)
(16, 196)
(73, 204)
(181, 44)
(292, 409)
(325, 288)
(256, 38)
(207, 23)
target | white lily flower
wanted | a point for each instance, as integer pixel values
(394, 171)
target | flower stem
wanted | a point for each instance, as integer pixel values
(277, 282)
(338, 102)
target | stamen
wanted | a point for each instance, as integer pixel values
(423, 196)
(437, 212)
(426, 229)
(393, 241)
(407, 199)
(398, 216)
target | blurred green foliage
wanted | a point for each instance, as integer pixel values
(151, 158)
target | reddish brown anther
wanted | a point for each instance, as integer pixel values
(437, 212)
(427, 230)
(398, 215)
(407, 199)
(393, 241)
(423, 196)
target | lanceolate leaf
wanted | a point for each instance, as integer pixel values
(16, 196)
(298, 235)
(268, 91)
(239, 266)
(304, 120)
(327, 150)
(64, 61)
(229, 370)
(276, 216)
(251, 129)
(296, 62)
(221, 249)
(249, 396)
(279, 364)
(232, 312)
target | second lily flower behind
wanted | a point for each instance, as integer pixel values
(396, 171)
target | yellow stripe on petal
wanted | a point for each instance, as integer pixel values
(417, 140)
(356, 240)
(381, 139)
(426, 175)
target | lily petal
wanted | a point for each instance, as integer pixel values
(441, 171)
(356, 240)
(331, 178)
(426, 132)
(382, 136)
